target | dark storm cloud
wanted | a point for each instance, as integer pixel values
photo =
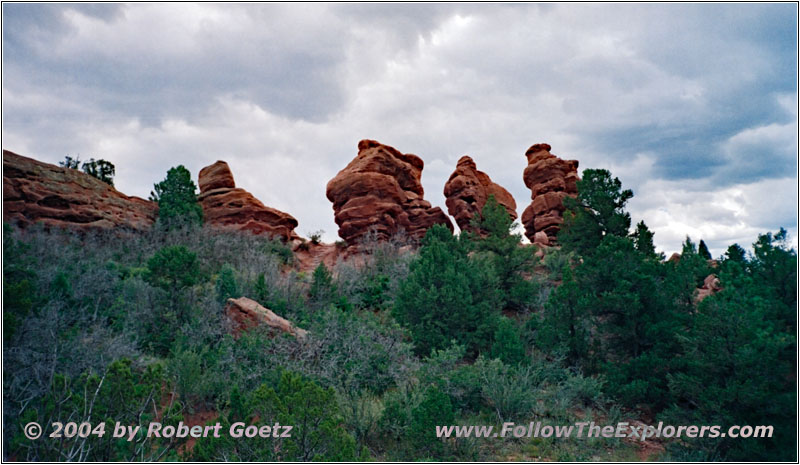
(292, 81)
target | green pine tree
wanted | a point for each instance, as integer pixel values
(598, 211)
(448, 295)
(702, 250)
(176, 198)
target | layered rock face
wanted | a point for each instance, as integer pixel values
(467, 191)
(40, 192)
(381, 189)
(246, 313)
(229, 207)
(550, 179)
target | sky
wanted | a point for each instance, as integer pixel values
(692, 106)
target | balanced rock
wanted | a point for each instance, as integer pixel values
(380, 189)
(246, 313)
(467, 191)
(34, 191)
(229, 207)
(550, 179)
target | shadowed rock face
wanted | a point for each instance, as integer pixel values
(34, 191)
(381, 189)
(467, 191)
(550, 179)
(229, 207)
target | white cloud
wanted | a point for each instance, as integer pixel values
(284, 93)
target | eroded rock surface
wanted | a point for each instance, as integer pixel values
(380, 189)
(467, 191)
(227, 206)
(34, 191)
(710, 287)
(246, 313)
(550, 179)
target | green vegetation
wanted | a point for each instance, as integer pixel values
(460, 330)
(176, 198)
(100, 169)
(448, 295)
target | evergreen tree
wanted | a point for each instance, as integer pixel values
(434, 410)
(643, 240)
(615, 316)
(688, 274)
(597, 211)
(173, 269)
(740, 354)
(508, 345)
(69, 162)
(513, 264)
(226, 284)
(322, 287)
(736, 253)
(447, 295)
(262, 292)
(702, 250)
(565, 323)
(176, 198)
(100, 169)
(312, 411)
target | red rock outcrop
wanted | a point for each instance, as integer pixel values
(710, 286)
(467, 191)
(550, 179)
(541, 239)
(229, 207)
(246, 313)
(381, 189)
(34, 191)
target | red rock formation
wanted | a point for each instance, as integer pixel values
(216, 176)
(229, 207)
(550, 179)
(541, 239)
(381, 189)
(467, 191)
(307, 255)
(246, 313)
(710, 286)
(40, 192)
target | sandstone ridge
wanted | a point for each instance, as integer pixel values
(34, 191)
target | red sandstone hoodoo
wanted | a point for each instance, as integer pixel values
(550, 179)
(381, 189)
(467, 191)
(226, 206)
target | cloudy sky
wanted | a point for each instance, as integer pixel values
(693, 107)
